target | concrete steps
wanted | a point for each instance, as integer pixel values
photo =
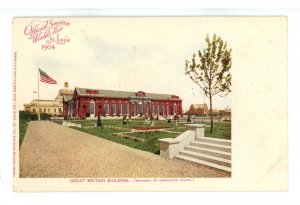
(204, 163)
(212, 146)
(215, 153)
(211, 152)
(214, 141)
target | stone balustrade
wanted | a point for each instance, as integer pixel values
(170, 147)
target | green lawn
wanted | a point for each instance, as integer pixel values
(153, 134)
(220, 130)
(119, 123)
(23, 124)
(179, 128)
(151, 144)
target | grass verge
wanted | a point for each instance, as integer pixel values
(23, 124)
(220, 130)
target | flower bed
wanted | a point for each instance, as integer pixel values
(148, 128)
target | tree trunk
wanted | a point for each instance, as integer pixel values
(211, 115)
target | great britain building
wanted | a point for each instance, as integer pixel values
(87, 102)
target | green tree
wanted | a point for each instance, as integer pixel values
(210, 70)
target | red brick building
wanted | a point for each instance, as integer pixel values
(93, 102)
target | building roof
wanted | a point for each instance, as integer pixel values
(63, 92)
(199, 106)
(55, 102)
(122, 94)
(227, 110)
(41, 102)
(67, 98)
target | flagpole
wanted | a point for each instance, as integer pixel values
(39, 116)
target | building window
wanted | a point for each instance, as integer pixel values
(113, 109)
(151, 109)
(34, 110)
(161, 109)
(106, 109)
(133, 108)
(146, 108)
(157, 109)
(175, 108)
(126, 109)
(70, 108)
(167, 110)
(48, 110)
(54, 110)
(92, 107)
(92, 92)
(120, 109)
(44, 110)
(140, 109)
(59, 110)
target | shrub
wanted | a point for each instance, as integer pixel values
(124, 120)
(25, 115)
(99, 121)
(189, 118)
(45, 116)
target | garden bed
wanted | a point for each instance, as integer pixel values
(153, 128)
(126, 136)
(153, 134)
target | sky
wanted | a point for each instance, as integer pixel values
(129, 53)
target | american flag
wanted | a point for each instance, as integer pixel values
(46, 78)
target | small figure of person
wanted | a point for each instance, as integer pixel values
(129, 120)
(124, 120)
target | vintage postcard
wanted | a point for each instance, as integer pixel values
(150, 104)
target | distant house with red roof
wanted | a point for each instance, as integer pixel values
(198, 109)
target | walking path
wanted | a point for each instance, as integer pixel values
(52, 150)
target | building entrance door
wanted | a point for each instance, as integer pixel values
(140, 109)
(92, 109)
